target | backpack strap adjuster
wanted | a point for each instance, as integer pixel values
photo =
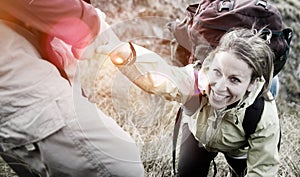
(225, 4)
(264, 3)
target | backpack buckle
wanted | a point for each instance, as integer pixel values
(264, 3)
(225, 4)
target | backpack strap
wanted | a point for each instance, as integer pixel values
(252, 116)
(175, 136)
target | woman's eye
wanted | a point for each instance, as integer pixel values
(235, 80)
(217, 73)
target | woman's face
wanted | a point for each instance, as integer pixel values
(229, 79)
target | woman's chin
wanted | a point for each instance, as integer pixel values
(217, 104)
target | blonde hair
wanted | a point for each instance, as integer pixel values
(249, 46)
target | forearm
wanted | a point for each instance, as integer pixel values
(152, 74)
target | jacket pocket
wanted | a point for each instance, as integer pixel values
(33, 124)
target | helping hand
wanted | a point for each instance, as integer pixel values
(123, 54)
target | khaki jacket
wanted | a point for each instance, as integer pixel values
(31, 106)
(220, 131)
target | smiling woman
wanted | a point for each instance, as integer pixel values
(238, 71)
(230, 79)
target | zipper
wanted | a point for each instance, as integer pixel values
(219, 116)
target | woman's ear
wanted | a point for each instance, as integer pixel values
(252, 85)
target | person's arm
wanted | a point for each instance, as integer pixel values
(152, 74)
(263, 155)
(73, 21)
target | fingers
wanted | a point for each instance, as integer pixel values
(123, 54)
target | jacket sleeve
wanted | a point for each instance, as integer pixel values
(73, 21)
(152, 74)
(263, 155)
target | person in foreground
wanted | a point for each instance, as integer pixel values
(47, 127)
(214, 98)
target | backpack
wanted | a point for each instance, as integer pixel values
(208, 20)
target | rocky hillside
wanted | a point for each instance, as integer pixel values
(290, 76)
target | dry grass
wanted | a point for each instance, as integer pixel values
(148, 118)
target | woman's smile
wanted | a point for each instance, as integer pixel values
(218, 97)
(229, 79)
